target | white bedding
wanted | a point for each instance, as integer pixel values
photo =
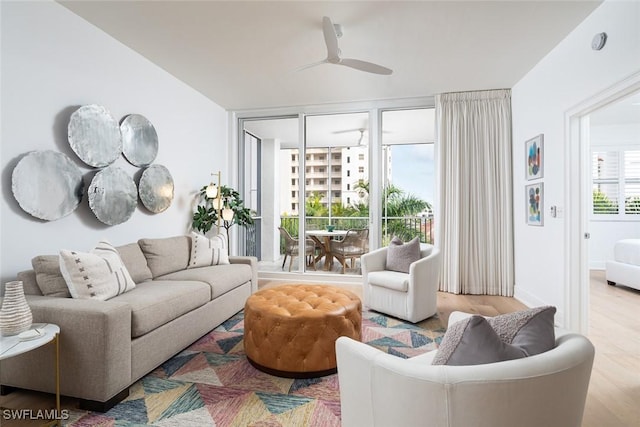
(627, 251)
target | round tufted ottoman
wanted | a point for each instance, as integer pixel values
(291, 330)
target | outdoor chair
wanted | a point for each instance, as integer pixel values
(292, 249)
(353, 246)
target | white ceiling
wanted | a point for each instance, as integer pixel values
(243, 55)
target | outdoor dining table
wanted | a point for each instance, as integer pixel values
(323, 239)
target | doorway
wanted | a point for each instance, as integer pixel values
(579, 198)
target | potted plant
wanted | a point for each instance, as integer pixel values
(206, 215)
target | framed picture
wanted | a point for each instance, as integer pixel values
(534, 199)
(534, 153)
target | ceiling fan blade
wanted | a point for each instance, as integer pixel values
(330, 38)
(337, 132)
(304, 67)
(365, 66)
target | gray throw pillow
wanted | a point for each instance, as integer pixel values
(166, 255)
(522, 333)
(135, 262)
(400, 255)
(49, 277)
(473, 341)
(532, 330)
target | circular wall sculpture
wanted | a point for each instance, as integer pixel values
(139, 140)
(112, 196)
(94, 135)
(47, 184)
(156, 188)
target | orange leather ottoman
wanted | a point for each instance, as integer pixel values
(291, 330)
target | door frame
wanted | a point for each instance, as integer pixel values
(374, 108)
(578, 199)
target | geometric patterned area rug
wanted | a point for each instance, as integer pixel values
(211, 383)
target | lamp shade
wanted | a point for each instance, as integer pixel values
(216, 203)
(211, 191)
(227, 214)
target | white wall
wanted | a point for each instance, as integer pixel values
(605, 232)
(567, 76)
(53, 62)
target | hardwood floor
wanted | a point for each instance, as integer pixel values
(614, 329)
(614, 391)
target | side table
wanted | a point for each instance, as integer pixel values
(12, 346)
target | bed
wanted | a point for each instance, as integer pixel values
(625, 268)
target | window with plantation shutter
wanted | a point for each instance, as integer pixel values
(615, 175)
(632, 182)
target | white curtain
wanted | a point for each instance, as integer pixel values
(476, 209)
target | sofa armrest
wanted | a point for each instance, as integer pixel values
(253, 263)
(95, 349)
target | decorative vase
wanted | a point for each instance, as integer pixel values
(15, 314)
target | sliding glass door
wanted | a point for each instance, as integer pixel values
(306, 174)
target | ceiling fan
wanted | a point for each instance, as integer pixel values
(361, 130)
(331, 34)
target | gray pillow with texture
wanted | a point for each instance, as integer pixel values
(135, 262)
(400, 255)
(531, 330)
(49, 277)
(166, 255)
(473, 341)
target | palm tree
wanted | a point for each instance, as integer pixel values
(396, 207)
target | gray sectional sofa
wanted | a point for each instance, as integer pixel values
(105, 346)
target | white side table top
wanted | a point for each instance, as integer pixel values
(12, 346)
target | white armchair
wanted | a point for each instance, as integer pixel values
(548, 389)
(411, 296)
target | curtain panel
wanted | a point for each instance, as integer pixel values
(476, 198)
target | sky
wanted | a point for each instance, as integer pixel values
(412, 169)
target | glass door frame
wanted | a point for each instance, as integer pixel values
(374, 108)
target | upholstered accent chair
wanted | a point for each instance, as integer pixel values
(547, 389)
(292, 249)
(353, 246)
(410, 296)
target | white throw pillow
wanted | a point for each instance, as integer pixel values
(99, 275)
(205, 251)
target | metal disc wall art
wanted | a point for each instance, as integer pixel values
(139, 140)
(112, 195)
(94, 135)
(156, 188)
(47, 184)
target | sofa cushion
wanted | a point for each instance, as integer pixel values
(29, 283)
(49, 277)
(154, 303)
(99, 274)
(401, 255)
(531, 330)
(221, 278)
(166, 255)
(135, 262)
(473, 341)
(389, 279)
(205, 251)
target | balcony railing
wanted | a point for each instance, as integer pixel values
(406, 227)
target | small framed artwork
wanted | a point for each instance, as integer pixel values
(535, 197)
(534, 153)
